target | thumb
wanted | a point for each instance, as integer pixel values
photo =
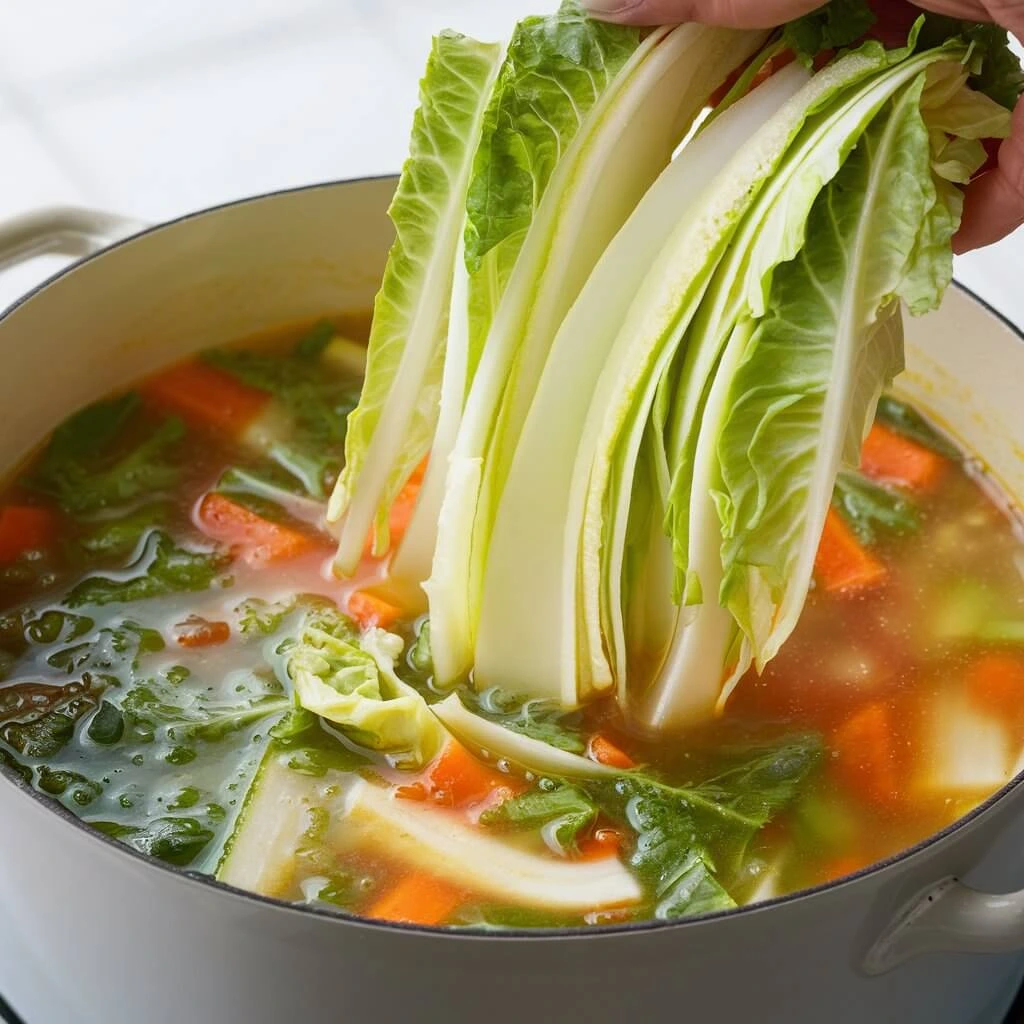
(735, 13)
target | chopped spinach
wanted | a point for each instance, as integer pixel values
(176, 841)
(832, 26)
(107, 725)
(162, 568)
(61, 782)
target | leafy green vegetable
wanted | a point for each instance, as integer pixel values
(832, 26)
(910, 423)
(107, 725)
(110, 538)
(83, 467)
(420, 657)
(58, 782)
(54, 626)
(561, 813)
(677, 827)
(995, 69)
(176, 841)
(540, 720)
(870, 508)
(162, 568)
(349, 679)
(315, 401)
(393, 426)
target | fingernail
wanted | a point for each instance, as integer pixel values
(611, 6)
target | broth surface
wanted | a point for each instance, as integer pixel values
(159, 554)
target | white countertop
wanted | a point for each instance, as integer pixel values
(159, 108)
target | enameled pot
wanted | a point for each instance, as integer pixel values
(92, 933)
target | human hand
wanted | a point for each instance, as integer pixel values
(994, 204)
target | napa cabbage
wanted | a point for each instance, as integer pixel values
(643, 365)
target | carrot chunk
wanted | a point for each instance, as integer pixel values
(206, 397)
(603, 751)
(893, 458)
(417, 899)
(865, 753)
(260, 540)
(458, 779)
(604, 843)
(24, 528)
(841, 563)
(995, 684)
(199, 632)
(369, 610)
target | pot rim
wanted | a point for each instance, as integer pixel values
(9, 775)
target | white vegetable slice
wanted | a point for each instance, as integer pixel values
(497, 741)
(437, 842)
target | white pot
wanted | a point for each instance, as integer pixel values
(92, 933)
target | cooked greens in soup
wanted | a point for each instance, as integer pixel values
(180, 668)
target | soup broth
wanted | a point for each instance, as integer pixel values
(166, 585)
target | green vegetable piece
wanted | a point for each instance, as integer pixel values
(57, 782)
(79, 470)
(55, 626)
(112, 538)
(174, 840)
(910, 423)
(107, 725)
(180, 755)
(45, 737)
(312, 344)
(162, 568)
(870, 508)
(541, 720)
(834, 25)
(420, 657)
(561, 814)
(12, 764)
(184, 798)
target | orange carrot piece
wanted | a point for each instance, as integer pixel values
(604, 843)
(417, 899)
(401, 511)
(458, 779)
(24, 528)
(603, 751)
(841, 563)
(864, 755)
(199, 632)
(995, 684)
(893, 458)
(369, 610)
(206, 397)
(261, 540)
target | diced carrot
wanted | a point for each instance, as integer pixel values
(260, 540)
(417, 899)
(458, 779)
(995, 684)
(401, 511)
(199, 632)
(893, 458)
(841, 563)
(864, 755)
(370, 610)
(24, 528)
(206, 397)
(603, 751)
(605, 842)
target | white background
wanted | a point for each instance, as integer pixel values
(158, 107)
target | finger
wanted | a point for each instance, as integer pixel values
(736, 13)
(994, 204)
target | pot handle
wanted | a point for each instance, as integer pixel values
(950, 917)
(61, 230)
